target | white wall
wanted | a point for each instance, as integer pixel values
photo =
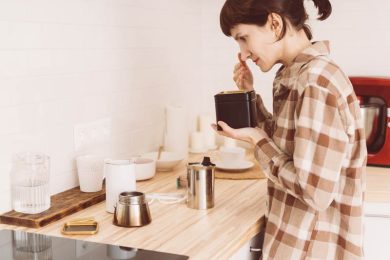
(69, 62)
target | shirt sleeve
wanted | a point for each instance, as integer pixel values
(264, 118)
(312, 173)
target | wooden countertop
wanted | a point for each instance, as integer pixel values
(218, 232)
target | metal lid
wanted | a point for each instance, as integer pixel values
(205, 164)
(131, 197)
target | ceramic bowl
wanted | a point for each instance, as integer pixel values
(231, 154)
(167, 161)
(145, 168)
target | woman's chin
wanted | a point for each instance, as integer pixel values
(265, 68)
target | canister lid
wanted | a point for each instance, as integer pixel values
(205, 164)
(235, 95)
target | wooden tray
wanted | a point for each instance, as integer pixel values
(62, 204)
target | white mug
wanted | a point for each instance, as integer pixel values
(120, 177)
(90, 172)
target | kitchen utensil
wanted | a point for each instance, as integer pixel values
(30, 182)
(181, 181)
(90, 172)
(370, 115)
(236, 108)
(167, 161)
(81, 220)
(120, 176)
(145, 168)
(373, 94)
(132, 210)
(200, 179)
(80, 227)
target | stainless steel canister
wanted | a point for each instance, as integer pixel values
(200, 191)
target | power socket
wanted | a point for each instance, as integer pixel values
(92, 132)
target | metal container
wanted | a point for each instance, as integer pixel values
(236, 108)
(370, 115)
(132, 210)
(200, 190)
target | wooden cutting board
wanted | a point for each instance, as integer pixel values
(62, 204)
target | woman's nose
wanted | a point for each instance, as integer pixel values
(245, 55)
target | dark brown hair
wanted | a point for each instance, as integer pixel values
(256, 12)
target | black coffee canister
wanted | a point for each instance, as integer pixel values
(236, 108)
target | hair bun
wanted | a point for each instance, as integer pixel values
(324, 8)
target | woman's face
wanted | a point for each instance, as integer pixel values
(258, 44)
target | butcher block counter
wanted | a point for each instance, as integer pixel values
(216, 233)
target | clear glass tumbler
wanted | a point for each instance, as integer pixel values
(30, 182)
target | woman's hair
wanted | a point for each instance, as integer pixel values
(256, 12)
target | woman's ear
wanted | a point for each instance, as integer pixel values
(276, 23)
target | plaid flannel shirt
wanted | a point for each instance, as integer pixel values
(314, 160)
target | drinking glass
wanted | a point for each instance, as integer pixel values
(30, 182)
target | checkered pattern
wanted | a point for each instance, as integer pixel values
(315, 162)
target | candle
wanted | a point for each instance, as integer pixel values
(205, 122)
(197, 141)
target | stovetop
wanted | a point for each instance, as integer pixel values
(15, 244)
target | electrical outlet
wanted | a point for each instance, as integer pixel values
(92, 132)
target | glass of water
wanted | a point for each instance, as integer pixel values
(30, 182)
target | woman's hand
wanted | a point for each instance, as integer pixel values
(242, 75)
(247, 134)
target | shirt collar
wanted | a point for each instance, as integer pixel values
(320, 48)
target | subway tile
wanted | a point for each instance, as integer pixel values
(10, 120)
(63, 181)
(5, 200)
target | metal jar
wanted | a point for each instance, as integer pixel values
(200, 191)
(132, 210)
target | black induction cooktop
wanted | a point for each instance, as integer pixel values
(20, 245)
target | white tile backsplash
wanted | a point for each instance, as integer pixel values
(69, 62)
(64, 63)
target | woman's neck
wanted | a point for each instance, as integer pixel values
(295, 43)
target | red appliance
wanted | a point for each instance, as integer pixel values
(374, 97)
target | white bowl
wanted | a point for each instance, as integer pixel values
(231, 154)
(145, 168)
(167, 161)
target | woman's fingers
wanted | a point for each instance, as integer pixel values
(226, 128)
(242, 62)
(236, 67)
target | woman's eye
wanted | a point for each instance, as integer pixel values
(242, 39)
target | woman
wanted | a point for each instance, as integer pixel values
(312, 148)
